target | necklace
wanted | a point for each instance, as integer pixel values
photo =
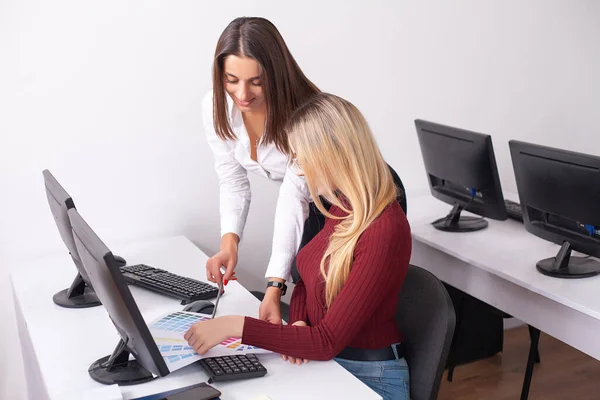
(257, 141)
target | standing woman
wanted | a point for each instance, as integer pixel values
(257, 85)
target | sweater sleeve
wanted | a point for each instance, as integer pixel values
(298, 304)
(381, 260)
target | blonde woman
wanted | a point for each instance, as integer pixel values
(352, 271)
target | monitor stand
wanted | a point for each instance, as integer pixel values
(118, 369)
(79, 295)
(453, 222)
(566, 266)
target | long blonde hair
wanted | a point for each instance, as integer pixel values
(340, 159)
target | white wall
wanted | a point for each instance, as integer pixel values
(107, 96)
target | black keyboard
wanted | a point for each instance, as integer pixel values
(158, 280)
(514, 210)
(229, 368)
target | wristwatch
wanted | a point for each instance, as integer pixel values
(279, 285)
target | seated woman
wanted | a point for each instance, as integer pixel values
(344, 306)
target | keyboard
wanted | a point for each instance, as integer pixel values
(158, 280)
(229, 368)
(514, 210)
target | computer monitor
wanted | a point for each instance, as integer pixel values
(461, 170)
(112, 290)
(80, 294)
(559, 192)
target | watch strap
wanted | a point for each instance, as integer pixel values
(278, 285)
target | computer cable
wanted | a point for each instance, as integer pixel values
(460, 209)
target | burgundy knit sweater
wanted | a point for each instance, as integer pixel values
(363, 313)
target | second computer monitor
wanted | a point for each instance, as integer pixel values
(80, 294)
(559, 191)
(461, 170)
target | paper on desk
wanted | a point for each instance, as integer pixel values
(177, 361)
(169, 349)
(170, 329)
(110, 392)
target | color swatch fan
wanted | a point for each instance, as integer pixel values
(168, 331)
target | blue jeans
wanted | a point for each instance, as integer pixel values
(390, 379)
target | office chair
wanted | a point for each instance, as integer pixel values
(427, 319)
(402, 192)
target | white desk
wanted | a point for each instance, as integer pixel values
(497, 266)
(59, 344)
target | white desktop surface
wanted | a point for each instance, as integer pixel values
(497, 265)
(59, 344)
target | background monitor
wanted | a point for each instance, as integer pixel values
(559, 192)
(461, 171)
(111, 288)
(81, 293)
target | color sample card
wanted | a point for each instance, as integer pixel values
(164, 340)
(230, 341)
(178, 322)
(169, 349)
(245, 348)
(168, 331)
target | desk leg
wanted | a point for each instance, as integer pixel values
(533, 354)
(537, 352)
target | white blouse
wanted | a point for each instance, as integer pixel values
(232, 163)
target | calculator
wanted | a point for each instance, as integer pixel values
(229, 368)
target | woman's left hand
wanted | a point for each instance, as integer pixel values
(205, 335)
(291, 359)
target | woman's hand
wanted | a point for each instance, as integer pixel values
(205, 335)
(226, 257)
(294, 360)
(270, 306)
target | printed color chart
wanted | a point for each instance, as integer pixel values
(168, 331)
(178, 322)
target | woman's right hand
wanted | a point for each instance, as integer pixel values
(227, 257)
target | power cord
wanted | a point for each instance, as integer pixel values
(451, 215)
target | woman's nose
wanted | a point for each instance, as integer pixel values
(243, 91)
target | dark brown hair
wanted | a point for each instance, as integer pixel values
(284, 85)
